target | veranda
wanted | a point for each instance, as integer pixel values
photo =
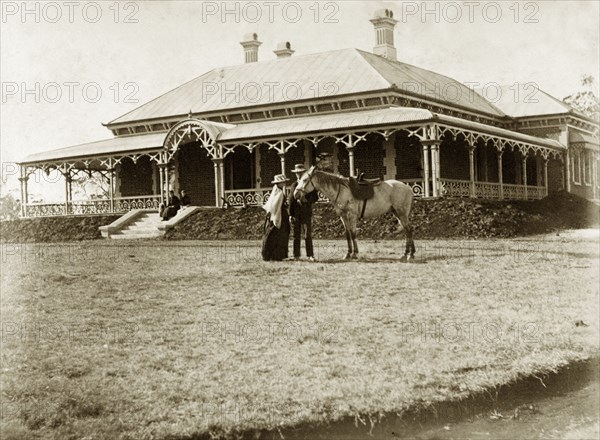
(437, 155)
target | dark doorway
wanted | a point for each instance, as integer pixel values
(239, 169)
(196, 174)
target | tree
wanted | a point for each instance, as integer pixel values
(91, 186)
(585, 100)
(10, 208)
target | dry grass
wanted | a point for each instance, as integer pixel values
(157, 339)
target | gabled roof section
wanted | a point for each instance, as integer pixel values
(429, 84)
(141, 142)
(523, 100)
(320, 75)
(311, 76)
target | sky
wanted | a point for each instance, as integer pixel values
(66, 67)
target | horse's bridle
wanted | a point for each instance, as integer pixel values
(310, 173)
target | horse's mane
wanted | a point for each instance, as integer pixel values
(333, 179)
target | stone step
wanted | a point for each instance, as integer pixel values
(147, 222)
(149, 219)
(120, 236)
(139, 230)
(140, 224)
(144, 224)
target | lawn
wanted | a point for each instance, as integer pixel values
(156, 339)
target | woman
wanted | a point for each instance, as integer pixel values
(277, 224)
(173, 205)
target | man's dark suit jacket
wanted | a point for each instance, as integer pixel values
(302, 210)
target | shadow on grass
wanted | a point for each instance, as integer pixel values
(371, 261)
(520, 402)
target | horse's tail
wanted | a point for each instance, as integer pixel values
(401, 201)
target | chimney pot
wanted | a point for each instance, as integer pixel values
(284, 50)
(384, 24)
(250, 45)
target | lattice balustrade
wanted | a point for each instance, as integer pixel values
(45, 209)
(322, 198)
(536, 192)
(455, 188)
(90, 207)
(247, 197)
(255, 197)
(124, 204)
(514, 192)
(82, 207)
(487, 190)
(416, 185)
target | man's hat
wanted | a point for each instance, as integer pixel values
(299, 168)
(280, 178)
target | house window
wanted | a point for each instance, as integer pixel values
(576, 167)
(587, 171)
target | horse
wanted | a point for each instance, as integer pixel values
(389, 195)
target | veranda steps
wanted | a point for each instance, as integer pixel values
(143, 224)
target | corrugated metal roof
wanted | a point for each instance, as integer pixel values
(430, 84)
(501, 132)
(339, 72)
(367, 118)
(522, 100)
(319, 123)
(279, 80)
(123, 144)
(144, 142)
(291, 127)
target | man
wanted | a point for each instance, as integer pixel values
(301, 215)
(325, 162)
(172, 207)
(185, 199)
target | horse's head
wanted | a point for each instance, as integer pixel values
(305, 184)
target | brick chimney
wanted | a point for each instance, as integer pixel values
(250, 45)
(384, 24)
(284, 50)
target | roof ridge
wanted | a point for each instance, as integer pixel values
(217, 69)
(555, 99)
(562, 103)
(393, 62)
(361, 53)
(398, 64)
(160, 96)
(568, 108)
(294, 57)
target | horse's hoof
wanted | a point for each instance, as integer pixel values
(348, 256)
(354, 256)
(411, 259)
(403, 259)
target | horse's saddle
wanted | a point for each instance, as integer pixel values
(361, 188)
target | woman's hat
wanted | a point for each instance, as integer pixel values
(280, 178)
(299, 168)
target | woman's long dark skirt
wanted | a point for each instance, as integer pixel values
(275, 240)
